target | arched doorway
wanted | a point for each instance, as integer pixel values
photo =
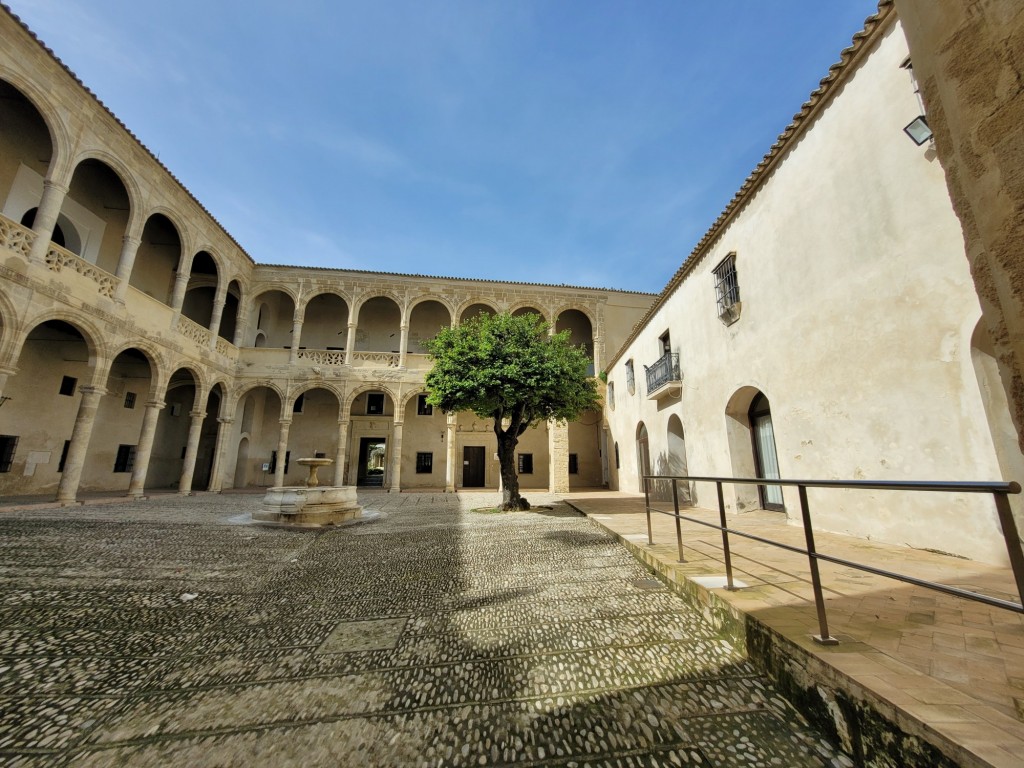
(766, 459)
(643, 454)
(677, 457)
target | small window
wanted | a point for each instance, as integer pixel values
(423, 408)
(525, 465)
(630, 382)
(300, 402)
(67, 385)
(8, 443)
(63, 455)
(665, 343)
(125, 461)
(616, 455)
(574, 464)
(375, 403)
(424, 463)
(129, 400)
(273, 461)
(611, 396)
(175, 409)
(727, 287)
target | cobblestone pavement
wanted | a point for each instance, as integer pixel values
(169, 632)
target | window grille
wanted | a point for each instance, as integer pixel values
(630, 383)
(129, 400)
(423, 408)
(611, 396)
(525, 466)
(727, 287)
(424, 463)
(125, 461)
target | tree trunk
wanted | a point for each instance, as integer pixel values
(510, 498)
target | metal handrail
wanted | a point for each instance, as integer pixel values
(1000, 492)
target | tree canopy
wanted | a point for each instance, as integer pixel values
(509, 369)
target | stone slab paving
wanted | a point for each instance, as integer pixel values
(943, 667)
(170, 632)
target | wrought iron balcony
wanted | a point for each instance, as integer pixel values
(662, 374)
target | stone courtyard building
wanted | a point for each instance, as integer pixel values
(827, 326)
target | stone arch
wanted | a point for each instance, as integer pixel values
(588, 312)
(424, 324)
(7, 327)
(643, 454)
(153, 353)
(527, 307)
(675, 453)
(121, 170)
(369, 387)
(272, 311)
(468, 304)
(323, 291)
(91, 333)
(357, 303)
(157, 258)
(325, 318)
(378, 324)
(301, 389)
(56, 130)
(443, 300)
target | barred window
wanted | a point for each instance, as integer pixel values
(630, 383)
(423, 408)
(574, 464)
(611, 396)
(125, 461)
(525, 466)
(424, 463)
(727, 287)
(8, 444)
(129, 399)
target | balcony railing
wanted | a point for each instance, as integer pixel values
(663, 373)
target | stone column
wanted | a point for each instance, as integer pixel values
(404, 349)
(241, 325)
(339, 457)
(54, 192)
(450, 458)
(180, 286)
(598, 354)
(558, 457)
(220, 448)
(218, 310)
(67, 491)
(129, 250)
(144, 449)
(282, 452)
(350, 343)
(293, 358)
(396, 459)
(195, 431)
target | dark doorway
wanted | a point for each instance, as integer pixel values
(473, 466)
(643, 452)
(372, 451)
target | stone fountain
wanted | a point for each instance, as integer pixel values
(309, 505)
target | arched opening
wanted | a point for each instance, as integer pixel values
(274, 311)
(581, 332)
(70, 241)
(997, 414)
(202, 290)
(527, 311)
(676, 444)
(229, 317)
(766, 460)
(97, 203)
(37, 422)
(314, 428)
(474, 310)
(371, 418)
(425, 321)
(156, 261)
(258, 415)
(643, 455)
(115, 440)
(25, 154)
(203, 478)
(585, 451)
(380, 322)
(325, 323)
(242, 464)
(168, 458)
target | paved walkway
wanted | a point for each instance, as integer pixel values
(945, 668)
(170, 632)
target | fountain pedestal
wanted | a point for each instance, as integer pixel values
(310, 505)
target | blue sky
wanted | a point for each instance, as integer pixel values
(556, 141)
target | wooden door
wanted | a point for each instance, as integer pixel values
(473, 466)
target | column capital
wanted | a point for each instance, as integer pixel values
(224, 420)
(197, 415)
(89, 389)
(285, 422)
(158, 404)
(132, 240)
(59, 186)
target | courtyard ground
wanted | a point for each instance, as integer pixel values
(172, 632)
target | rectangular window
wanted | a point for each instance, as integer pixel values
(574, 464)
(63, 455)
(423, 408)
(8, 443)
(125, 461)
(525, 466)
(375, 403)
(300, 401)
(424, 463)
(727, 287)
(273, 461)
(129, 399)
(67, 385)
(630, 381)
(665, 343)
(617, 456)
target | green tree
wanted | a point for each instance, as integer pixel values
(511, 370)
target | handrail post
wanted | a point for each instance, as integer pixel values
(647, 504)
(1012, 538)
(819, 599)
(679, 530)
(725, 538)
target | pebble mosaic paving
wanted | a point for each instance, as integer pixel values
(169, 632)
